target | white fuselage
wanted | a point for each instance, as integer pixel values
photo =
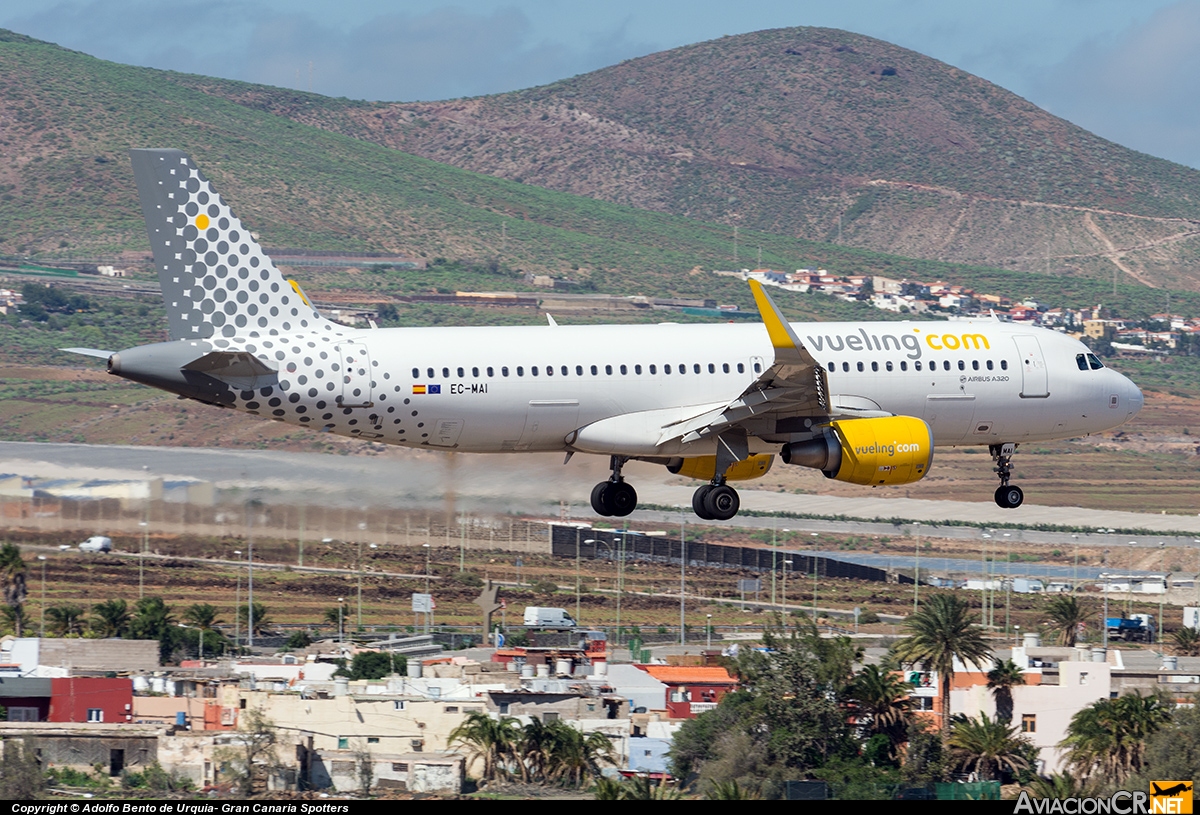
(528, 389)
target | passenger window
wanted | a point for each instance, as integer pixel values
(491, 371)
(974, 365)
(990, 366)
(579, 370)
(903, 365)
(565, 370)
(637, 369)
(889, 365)
(624, 370)
(533, 370)
(608, 370)
(846, 367)
(430, 372)
(962, 366)
(874, 366)
(725, 367)
(683, 369)
(461, 373)
(741, 368)
(595, 370)
(666, 369)
(416, 373)
(475, 372)
(445, 373)
(917, 365)
(712, 369)
(520, 371)
(549, 370)
(945, 365)
(504, 371)
(758, 367)
(831, 367)
(860, 366)
(653, 369)
(1004, 364)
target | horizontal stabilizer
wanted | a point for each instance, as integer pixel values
(88, 352)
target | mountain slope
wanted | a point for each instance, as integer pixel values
(813, 133)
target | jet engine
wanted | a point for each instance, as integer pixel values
(884, 450)
(703, 468)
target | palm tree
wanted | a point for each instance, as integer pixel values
(987, 746)
(1000, 681)
(262, 618)
(1061, 785)
(14, 618)
(1186, 642)
(12, 584)
(942, 631)
(881, 704)
(574, 756)
(202, 616)
(65, 620)
(489, 739)
(111, 618)
(1109, 736)
(1064, 615)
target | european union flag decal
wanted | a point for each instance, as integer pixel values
(435, 389)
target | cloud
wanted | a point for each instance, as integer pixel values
(1138, 88)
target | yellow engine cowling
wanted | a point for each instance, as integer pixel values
(886, 450)
(703, 468)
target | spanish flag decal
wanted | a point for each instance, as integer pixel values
(418, 389)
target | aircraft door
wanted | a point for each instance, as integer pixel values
(356, 375)
(1034, 379)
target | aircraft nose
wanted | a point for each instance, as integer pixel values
(1133, 397)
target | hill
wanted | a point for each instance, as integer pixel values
(814, 133)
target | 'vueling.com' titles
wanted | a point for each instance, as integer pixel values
(904, 342)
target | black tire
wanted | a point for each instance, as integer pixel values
(620, 499)
(722, 503)
(698, 505)
(600, 499)
(1009, 497)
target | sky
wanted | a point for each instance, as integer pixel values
(1127, 70)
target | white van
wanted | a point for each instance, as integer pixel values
(96, 543)
(543, 617)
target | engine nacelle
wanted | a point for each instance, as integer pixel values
(885, 450)
(703, 468)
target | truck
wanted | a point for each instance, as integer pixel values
(553, 619)
(1135, 628)
(96, 543)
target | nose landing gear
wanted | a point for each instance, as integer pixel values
(1008, 496)
(614, 496)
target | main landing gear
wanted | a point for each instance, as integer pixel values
(614, 496)
(1008, 496)
(716, 502)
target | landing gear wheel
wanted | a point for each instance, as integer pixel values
(698, 502)
(722, 502)
(1009, 497)
(599, 498)
(620, 499)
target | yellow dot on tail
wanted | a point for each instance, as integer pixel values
(202, 221)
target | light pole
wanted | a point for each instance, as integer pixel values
(1129, 594)
(1017, 635)
(1162, 563)
(1008, 580)
(141, 559)
(682, 577)
(787, 567)
(917, 570)
(237, 611)
(1104, 622)
(42, 625)
(250, 573)
(593, 542)
(708, 628)
(774, 551)
(341, 629)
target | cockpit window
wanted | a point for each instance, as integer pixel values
(1095, 362)
(1081, 361)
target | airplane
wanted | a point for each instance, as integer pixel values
(863, 402)
(1170, 792)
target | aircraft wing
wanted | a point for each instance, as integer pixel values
(794, 386)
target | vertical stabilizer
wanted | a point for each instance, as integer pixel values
(216, 279)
